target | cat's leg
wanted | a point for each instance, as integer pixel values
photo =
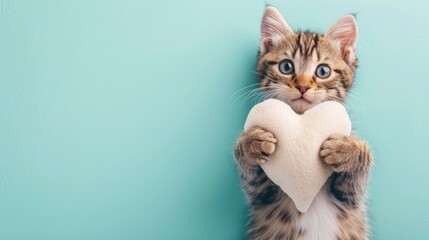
(272, 211)
(350, 158)
(252, 149)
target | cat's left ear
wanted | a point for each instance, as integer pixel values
(344, 33)
(274, 29)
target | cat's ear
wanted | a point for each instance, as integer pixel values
(273, 29)
(344, 33)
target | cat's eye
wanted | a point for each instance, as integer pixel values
(323, 71)
(286, 66)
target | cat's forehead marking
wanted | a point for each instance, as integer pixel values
(305, 53)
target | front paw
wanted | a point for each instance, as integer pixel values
(255, 146)
(344, 153)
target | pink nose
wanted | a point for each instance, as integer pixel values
(302, 89)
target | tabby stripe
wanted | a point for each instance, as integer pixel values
(338, 92)
(258, 181)
(280, 236)
(301, 50)
(314, 48)
(268, 196)
(338, 71)
(347, 196)
(296, 45)
(285, 216)
(269, 63)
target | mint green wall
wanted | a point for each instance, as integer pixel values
(118, 119)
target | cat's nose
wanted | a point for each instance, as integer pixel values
(302, 89)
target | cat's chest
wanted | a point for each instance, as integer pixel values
(320, 221)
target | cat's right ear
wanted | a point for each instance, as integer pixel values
(273, 29)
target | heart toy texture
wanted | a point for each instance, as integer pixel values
(295, 165)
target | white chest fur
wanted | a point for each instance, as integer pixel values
(320, 221)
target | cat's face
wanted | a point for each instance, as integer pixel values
(305, 68)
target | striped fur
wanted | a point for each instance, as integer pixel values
(338, 212)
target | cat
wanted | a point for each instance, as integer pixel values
(304, 69)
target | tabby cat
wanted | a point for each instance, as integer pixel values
(304, 69)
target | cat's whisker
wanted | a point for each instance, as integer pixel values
(248, 93)
(262, 75)
(357, 107)
(335, 99)
(255, 95)
(242, 89)
(264, 93)
(355, 101)
(252, 94)
(276, 94)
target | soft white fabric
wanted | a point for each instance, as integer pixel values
(295, 165)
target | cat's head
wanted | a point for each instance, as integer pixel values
(304, 69)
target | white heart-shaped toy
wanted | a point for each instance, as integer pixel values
(295, 165)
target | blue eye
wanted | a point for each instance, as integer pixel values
(286, 66)
(323, 71)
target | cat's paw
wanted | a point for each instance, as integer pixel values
(341, 152)
(256, 145)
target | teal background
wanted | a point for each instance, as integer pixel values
(118, 118)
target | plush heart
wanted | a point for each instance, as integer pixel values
(295, 165)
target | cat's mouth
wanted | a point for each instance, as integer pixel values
(301, 100)
(300, 104)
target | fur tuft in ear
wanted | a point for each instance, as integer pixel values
(345, 32)
(273, 29)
